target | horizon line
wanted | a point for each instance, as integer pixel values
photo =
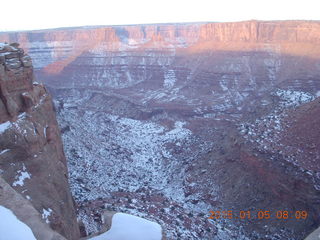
(159, 23)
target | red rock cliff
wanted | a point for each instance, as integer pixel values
(32, 160)
(298, 38)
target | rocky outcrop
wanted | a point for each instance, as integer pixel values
(32, 160)
(25, 212)
(16, 78)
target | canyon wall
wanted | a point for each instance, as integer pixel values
(55, 49)
(194, 116)
(118, 57)
(32, 159)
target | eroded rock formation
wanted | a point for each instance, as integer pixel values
(32, 160)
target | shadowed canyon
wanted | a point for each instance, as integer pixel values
(172, 121)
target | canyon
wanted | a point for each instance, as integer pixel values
(172, 121)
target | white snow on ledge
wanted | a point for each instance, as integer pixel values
(4, 126)
(4, 151)
(11, 228)
(129, 227)
(23, 176)
(46, 214)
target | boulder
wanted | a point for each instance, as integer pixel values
(12, 55)
(26, 61)
(28, 99)
(15, 45)
(13, 63)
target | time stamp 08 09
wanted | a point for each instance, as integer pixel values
(261, 214)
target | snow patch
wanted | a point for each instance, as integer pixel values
(129, 227)
(23, 176)
(12, 228)
(4, 151)
(169, 79)
(45, 132)
(223, 85)
(4, 126)
(291, 98)
(22, 115)
(46, 214)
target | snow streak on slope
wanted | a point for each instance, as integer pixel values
(266, 132)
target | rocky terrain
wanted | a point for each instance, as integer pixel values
(32, 160)
(171, 121)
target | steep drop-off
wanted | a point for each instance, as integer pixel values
(32, 159)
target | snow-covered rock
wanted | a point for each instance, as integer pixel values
(129, 227)
(11, 228)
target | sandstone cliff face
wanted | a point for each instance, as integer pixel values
(32, 160)
(55, 49)
(124, 56)
(62, 42)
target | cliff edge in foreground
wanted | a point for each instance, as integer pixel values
(32, 160)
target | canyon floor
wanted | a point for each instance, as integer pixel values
(175, 167)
